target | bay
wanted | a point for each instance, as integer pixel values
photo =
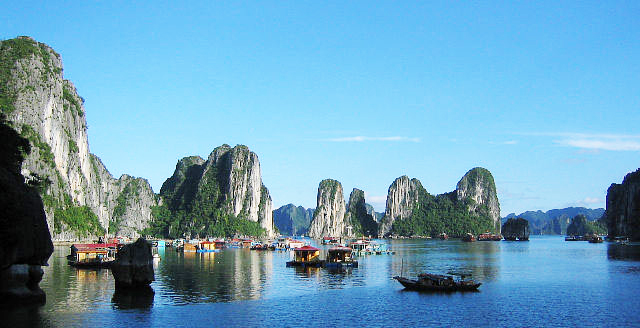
(545, 282)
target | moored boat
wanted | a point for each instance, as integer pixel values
(468, 238)
(489, 237)
(306, 256)
(92, 255)
(435, 282)
(443, 236)
(596, 239)
(339, 257)
(330, 241)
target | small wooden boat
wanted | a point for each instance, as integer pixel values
(469, 238)
(436, 282)
(596, 240)
(489, 237)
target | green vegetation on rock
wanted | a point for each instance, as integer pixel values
(433, 215)
(46, 155)
(70, 101)
(79, 219)
(12, 51)
(194, 200)
(581, 226)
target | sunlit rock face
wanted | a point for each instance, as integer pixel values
(401, 198)
(329, 216)
(230, 179)
(47, 110)
(478, 184)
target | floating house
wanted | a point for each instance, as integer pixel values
(189, 247)
(92, 255)
(306, 256)
(489, 237)
(220, 244)
(206, 247)
(339, 257)
(295, 244)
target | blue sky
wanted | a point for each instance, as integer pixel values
(546, 95)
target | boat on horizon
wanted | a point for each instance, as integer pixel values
(436, 282)
(469, 238)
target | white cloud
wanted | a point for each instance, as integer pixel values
(589, 202)
(363, 138)
(595, 141)
(611, 143)
(378, 202)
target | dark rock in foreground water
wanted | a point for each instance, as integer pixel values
(25, 241)
(516, 229)
(133, 266)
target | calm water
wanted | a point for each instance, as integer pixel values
(544, 282)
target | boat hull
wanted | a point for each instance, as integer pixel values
(340, 265)
(91, 265)
(415, 285)
(315, 264)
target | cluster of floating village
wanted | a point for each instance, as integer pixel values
(340, 254)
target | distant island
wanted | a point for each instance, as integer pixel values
(555, 221)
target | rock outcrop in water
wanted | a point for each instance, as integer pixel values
(472, 207)
(623, 207)
(516, 229)
(362, 223)
(82, 199)
(329, 216)
(581, 226)
(478, 185)
(401, 199)
(229, 182)
(133, 266)
(25, 242)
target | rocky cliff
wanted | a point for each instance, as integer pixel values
(581, 226)
(376, 215)
(401, 199)
(623, 207)
(226, 186)
(472, 208)
(329, 216)
(25, 242)
(516, 229)
(292, 220)
(81, 198)
(478, 185)
(362, 223)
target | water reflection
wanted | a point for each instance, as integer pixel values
(480, 260)
(230, 275)
(618, 251)
(72, 289)
(137, 298)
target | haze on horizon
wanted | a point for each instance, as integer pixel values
(545, 95)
